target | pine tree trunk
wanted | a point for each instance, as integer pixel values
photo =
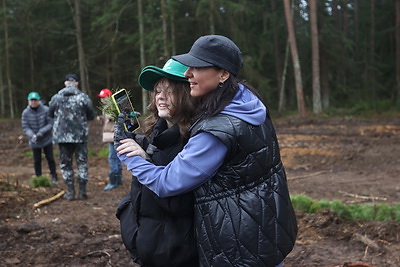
(164, 18)
(282, 95)
(295, 59)
(324, 66)
(278, 60)
(83, 72)
(211, 17)
(324, 78)
(317, 107)
(172, 23)
(397, 98)
(7, 59)
(371, 68)
(145, 97)
(2, 90)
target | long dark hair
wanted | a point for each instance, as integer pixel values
(184, 106)
(215, 101)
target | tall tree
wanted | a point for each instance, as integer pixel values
(323, 55)
(2, 89)
(317, 107)
(164, 19)
(41, 49)
(279, 70)
(145, 97)
(206, 9)
(172, 26)
(371, 69)
(397, 38)
(7, 59)
(83, 71)
(211, 17)
(295, 59)
(282, 95)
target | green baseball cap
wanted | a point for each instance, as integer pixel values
(151, 74)
(33, 95)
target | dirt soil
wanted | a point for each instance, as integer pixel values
(347, 159)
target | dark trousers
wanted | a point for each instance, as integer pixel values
(67, 151)
(37, 159)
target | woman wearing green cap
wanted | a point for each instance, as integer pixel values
(243, 212)
(160, 231)
(37, 125)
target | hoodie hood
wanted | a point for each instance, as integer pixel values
(70, 90)
(246, 106)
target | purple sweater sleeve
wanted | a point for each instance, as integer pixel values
(194, 165)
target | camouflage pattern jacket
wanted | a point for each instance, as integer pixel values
(71, 110)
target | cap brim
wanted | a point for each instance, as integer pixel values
(191, 61)
(151, 74)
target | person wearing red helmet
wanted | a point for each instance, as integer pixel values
(104, 93)
(115, 172)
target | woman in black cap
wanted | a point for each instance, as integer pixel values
(243, 212)
(160, 231)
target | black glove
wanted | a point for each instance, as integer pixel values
(120, 132)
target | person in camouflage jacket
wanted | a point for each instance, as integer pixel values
(71, 110)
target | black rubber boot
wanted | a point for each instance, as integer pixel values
(70, 195)
(82, 190)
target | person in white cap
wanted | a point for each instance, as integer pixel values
(243, 212)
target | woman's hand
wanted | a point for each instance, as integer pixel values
(132, 148)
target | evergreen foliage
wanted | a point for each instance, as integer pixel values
(350, 212)
(40, 181)
(357, 47)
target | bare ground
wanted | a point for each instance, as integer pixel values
(347, 159)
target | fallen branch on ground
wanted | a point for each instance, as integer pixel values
(100, 252)
(48, 200)
(306, 175)
(362, 197)
(97, 252)
(367, 241)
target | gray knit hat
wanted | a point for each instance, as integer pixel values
(213, 50)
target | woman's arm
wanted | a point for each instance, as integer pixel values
(194, 165)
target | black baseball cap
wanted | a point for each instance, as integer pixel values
(213, 50)
(71, 78)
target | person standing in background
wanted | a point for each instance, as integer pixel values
(115, 173)
(37, 125)
(71, 110)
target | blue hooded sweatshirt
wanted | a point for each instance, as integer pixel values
(200, 158)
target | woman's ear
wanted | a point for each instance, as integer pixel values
(224, 76)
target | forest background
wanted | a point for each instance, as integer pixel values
(323, 57)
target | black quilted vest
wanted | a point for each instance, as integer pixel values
(243, 215)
